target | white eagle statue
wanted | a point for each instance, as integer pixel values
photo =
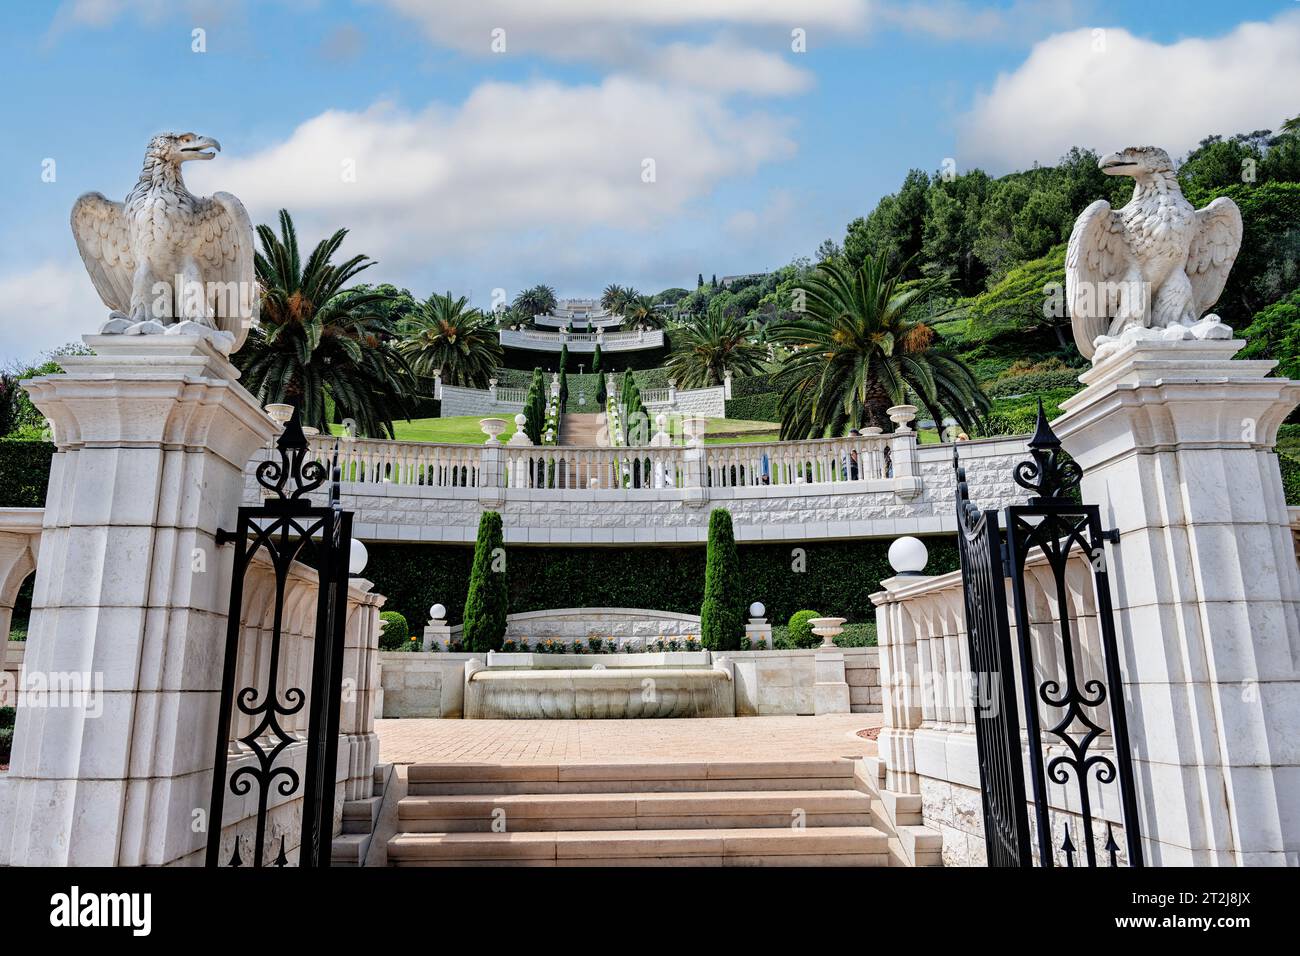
(1152, 269)
(166, 260)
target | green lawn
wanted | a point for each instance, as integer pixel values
(465, 430)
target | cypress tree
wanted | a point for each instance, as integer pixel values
(564, 356)
(488, 598)
(699, 282)
(601, 392)
(722, 614)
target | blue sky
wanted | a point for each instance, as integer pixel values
(475, 170)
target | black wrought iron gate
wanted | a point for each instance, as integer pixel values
(287, 528)
(1053, 524)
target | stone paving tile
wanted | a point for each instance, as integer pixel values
(557, 741)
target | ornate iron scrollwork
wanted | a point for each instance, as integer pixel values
(1054, 526)
(287, 529)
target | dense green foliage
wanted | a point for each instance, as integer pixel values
(707, 347)
(722, 614)
(799, 629)
(24, 472)
(319, 344)
(765, 407)
(445, 335)
(396, 633)
(1290, 478)
(1274, 333)
(487, 598)
(836, 576)
(863, 345)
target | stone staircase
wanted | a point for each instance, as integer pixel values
(585, 429)
(734, 813)
(360, 817)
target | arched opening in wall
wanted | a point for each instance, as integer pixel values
(22, 613)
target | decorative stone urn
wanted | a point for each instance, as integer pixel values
(901, 416)
(279, 412)
(492, 427)
(827, 628)
(694, 426)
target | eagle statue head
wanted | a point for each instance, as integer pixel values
(1136, 161)
(177, 148)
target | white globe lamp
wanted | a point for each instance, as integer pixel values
(908, 556)
(757, 610)
(437, 612)
(357, 557)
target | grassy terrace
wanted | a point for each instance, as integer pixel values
(464, 430)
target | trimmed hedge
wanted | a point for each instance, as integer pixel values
(1290, 478)
(1033, 382)
(755, 408)
(800, 629)
(747, 385)
(396, 632)
(837, 576)
(24, 472)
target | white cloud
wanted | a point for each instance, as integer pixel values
(728, 68)
(961, 20)
(539, 159)
(45, 307)
(1133, 91)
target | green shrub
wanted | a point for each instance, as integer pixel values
(765, 407)
(722, 613)
(7, 716)
(396, 632)
(6, 743)
(862, 634)
(24, 472)
(800, 633)
(840, 575)
(488, 598)
(1031, 383)
(1290, 478)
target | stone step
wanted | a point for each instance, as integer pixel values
(822, 846)
(744, 809)
(629, 777)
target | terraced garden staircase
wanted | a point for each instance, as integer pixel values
(639, 813)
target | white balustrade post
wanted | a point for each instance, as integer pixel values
(726, 383)
(437, 384)
(492, 390)
(900, 685)
(672, 391)
(1175, 439)
(130, 601)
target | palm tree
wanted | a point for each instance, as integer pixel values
(861, 346)
(443, 335)
(640, 310)
(704, 350)
(539, 300)
(613, 297)
(319, 342)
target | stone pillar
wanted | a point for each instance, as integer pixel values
(437, 631)
(758, 629)
(900, 684)
(672, 391)
(437, 384)
(1176, 441)
(492, 390)
(726, 383)
(830, 689)
(130, 603)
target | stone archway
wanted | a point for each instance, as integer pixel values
(20, 537)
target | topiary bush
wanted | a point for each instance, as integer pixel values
(488, 599)
(800, 633)
(765, 407)
(722, 613)
(396, 633)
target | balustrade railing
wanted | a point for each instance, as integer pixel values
(817, 462)
(511, 396)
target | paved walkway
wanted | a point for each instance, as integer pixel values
(734, 738)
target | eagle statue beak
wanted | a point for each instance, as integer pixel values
(199, 148)
(1114, 164)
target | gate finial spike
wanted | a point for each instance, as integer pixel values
(1068, 845)
(235, 859)
(1047, 475)
(1111, 846)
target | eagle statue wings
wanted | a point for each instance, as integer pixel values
(1153, 268)
(165, 260)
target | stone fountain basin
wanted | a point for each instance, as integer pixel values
(508, 693)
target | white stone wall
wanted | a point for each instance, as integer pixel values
(709, 402)
(621, 623)
(475, 401)
(766, 682)
(877, 507)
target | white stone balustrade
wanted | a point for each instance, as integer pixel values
(540, 341)
(808, 490)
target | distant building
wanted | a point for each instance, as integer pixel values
(726, 281)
